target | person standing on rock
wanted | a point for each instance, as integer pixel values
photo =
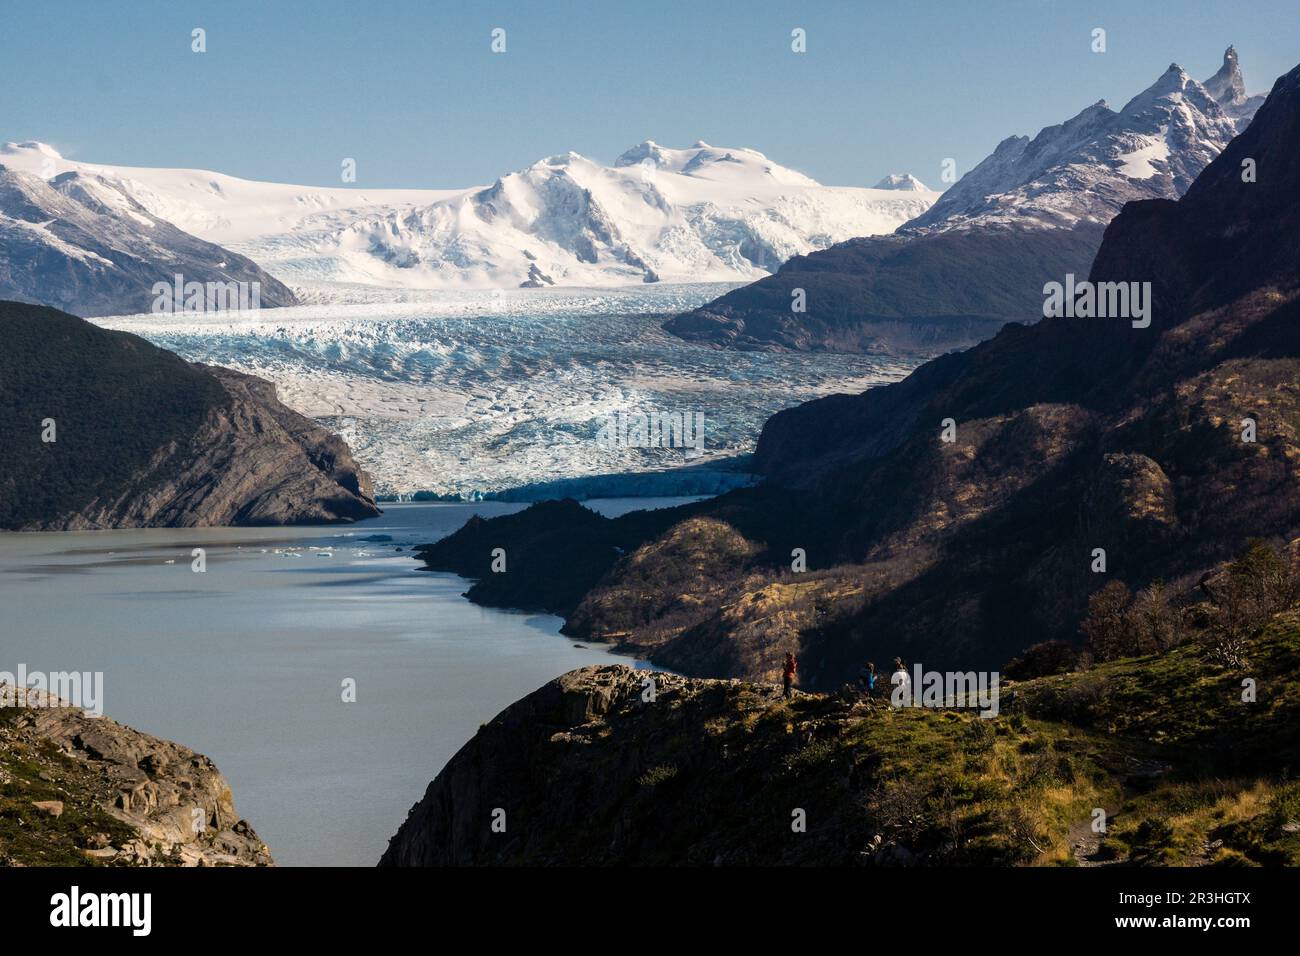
(900, 681)
(787, 675)
(867, 679)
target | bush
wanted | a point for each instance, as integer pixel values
(657, 775)
(1152, 844)
(1043, 660)
(1259, 584)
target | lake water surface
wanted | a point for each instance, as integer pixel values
(245, 661)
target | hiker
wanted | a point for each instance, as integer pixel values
(867, 679)
(899, 681)
(787, 674)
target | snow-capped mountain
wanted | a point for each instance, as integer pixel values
(695, 214)
(903, 181)
(657, 214)
(83, 244)
(1085, 169)
(1031, 212)
(216, 207)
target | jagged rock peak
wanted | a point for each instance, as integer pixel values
(1228, 85)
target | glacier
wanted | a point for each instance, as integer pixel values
(477, 393)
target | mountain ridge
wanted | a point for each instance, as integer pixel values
(1029, 213)
(83, 244)
(701, 213)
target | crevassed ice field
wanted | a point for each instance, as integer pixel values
(466, 393)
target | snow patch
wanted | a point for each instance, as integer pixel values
(1140, 163)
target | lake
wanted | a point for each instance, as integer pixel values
(246, 661)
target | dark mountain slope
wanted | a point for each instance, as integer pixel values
(144, 438)
(897, 294)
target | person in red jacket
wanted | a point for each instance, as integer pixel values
(787, 674)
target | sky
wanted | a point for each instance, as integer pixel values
(413, 92)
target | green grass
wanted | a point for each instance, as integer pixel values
(1188, 705)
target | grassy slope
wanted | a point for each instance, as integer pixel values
(1228, 796)
(1188, 772)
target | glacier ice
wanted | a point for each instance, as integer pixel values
(466, 394)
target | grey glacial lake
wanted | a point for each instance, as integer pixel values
(245, 662)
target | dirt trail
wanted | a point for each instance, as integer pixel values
(1085, 844)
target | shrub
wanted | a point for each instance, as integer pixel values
(1043, 660)
(1152, 844)
(1244, 597)
(657, 775)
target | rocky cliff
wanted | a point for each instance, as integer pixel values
(594, 769)
(78, 790)
(101, 429)
(705, 773)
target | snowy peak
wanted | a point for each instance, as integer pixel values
(702, 213)
(702, 160)
(645, 150)
(1173, 80)
(699, 213)
(1172, 88)
(1085, 169)
(905, 182)
(30, 147)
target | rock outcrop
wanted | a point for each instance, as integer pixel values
(101, 429)
(596, 769)
(589, 769)
(87, 790)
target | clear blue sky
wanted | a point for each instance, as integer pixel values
(411, 90)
